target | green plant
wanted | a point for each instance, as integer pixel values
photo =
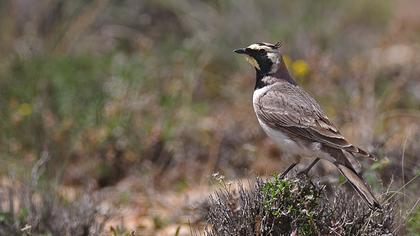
(283, 206)
(293, 202)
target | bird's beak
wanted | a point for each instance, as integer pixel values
(240, 50)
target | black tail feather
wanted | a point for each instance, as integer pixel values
(360, 186)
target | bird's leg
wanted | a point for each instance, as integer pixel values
(287, 170)
(307, 169)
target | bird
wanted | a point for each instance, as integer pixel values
(295, 121)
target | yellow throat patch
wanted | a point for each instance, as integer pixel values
(252, 61)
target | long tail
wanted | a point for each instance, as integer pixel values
(359, 185)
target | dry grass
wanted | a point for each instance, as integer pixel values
(32, 208)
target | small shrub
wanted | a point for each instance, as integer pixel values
(293, 206)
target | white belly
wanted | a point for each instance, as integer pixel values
(292, 148)
(287, 145)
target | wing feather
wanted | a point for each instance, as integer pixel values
(289, 108)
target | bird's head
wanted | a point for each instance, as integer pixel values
(264, 57)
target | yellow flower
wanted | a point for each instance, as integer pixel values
(24, 109)
(300, 68)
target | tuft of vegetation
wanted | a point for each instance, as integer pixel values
(293, 206)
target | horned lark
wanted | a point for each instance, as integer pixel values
(295, 121)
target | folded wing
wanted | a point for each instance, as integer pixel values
(290, 109)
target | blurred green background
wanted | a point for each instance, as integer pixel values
(143, 101)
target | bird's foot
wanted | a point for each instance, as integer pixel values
(287, 170)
